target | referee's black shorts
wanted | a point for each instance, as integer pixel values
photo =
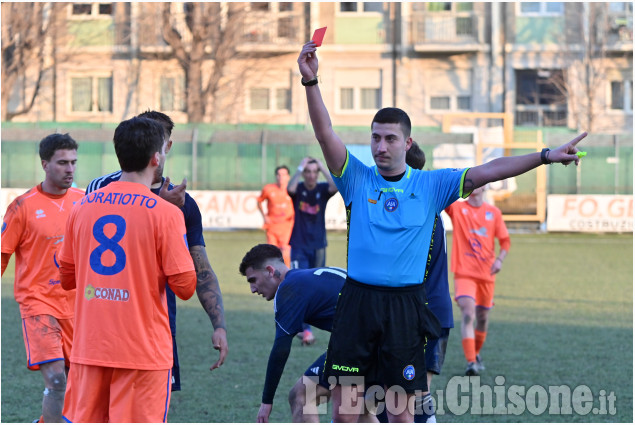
(379, 333)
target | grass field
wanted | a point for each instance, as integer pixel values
(563, 317)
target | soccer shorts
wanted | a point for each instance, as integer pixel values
(278, 234)
(47, 339)
(107, 394)
(379, 333)
(435, 351)
(317, 370)
(481, 291)
(307, 258)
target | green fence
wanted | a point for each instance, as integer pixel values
(244, 158)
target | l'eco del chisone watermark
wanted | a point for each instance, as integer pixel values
(467, 395)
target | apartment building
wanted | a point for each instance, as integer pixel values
(550, 64)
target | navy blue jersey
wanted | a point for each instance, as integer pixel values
(309, 227)
(307, 296)
(436, 280)
(304, 296)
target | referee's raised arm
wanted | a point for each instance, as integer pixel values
(332, 146)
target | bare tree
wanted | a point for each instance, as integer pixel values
(586, 74)
(211, 31)
(25, 28)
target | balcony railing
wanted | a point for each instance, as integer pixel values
(274, 29)
(459, 27)
(620, 28)
(537, 116)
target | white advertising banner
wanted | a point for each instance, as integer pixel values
(239, 210)
(227, 209)
(590, 213)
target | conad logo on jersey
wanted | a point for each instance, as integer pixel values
(110, 294)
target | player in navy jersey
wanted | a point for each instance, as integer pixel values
(308, 237)
(300, 296)
(439, 299)
(207, 287)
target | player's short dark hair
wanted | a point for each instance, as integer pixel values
(54, 142)
(136, 140)
(394, 116)
(281, 167)
(415, 157)
(166, 121)
(258, 255)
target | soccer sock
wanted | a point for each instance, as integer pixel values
(424, 410)
(468, 349)
(479, 340)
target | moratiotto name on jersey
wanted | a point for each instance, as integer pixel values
(115, 198)
(108, 294)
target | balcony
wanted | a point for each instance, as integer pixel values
(274, 32)
(541, 115)
(619, 36)
(452, 31)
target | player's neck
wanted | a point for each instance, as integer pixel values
(475, 202)
(309, 187)
(144, 177)
(52, 189)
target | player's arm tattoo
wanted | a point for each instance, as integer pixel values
(207, 287)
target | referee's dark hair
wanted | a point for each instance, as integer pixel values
(258, 255)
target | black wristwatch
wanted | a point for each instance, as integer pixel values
(543, 156)
(313, 81)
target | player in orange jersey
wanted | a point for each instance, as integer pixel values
(280, 213)
(122, 243)
(475, 264)
(33, 228)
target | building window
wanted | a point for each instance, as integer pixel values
(540, 100)
(283, 99)
(361, 7)
(622, 95)
(540, 8)
(360, 98)
(346, 98)
(464, 103)
(91, 94)
(259, 6)
(171, 94)
(260, 99)
(440, 102)
(91, 10)
(370, 98)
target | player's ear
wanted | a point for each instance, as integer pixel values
(270, 269)
(155, 160)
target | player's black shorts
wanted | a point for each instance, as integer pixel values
(379, 334)
(435, 351)
(317, 370)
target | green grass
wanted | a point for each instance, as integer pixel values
(563, 316)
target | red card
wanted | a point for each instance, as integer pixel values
(318, 36)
